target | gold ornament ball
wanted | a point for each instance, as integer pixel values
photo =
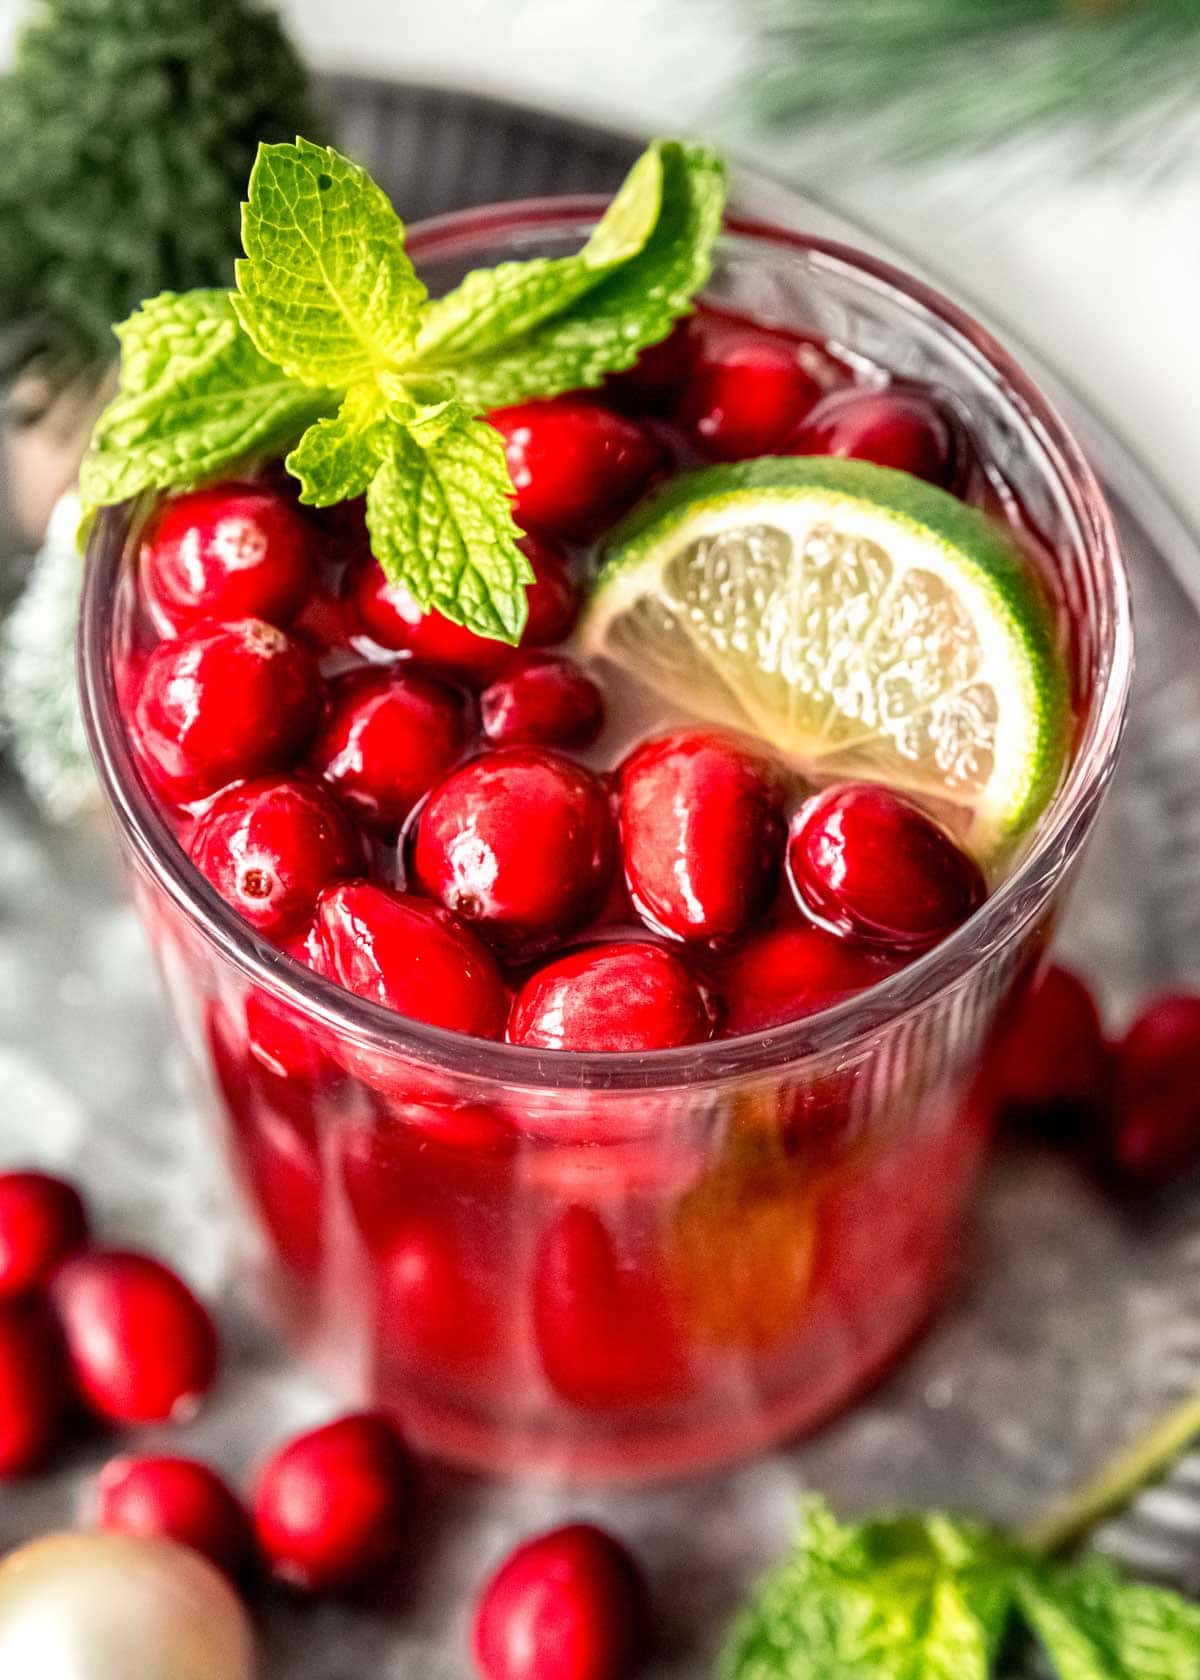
(110, 1607)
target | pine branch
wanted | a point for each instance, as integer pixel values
(930, 76)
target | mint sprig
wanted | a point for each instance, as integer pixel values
(930, 1597)
(330, 344)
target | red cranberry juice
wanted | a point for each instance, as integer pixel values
(617, 1282)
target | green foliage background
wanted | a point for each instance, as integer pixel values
(127, 130)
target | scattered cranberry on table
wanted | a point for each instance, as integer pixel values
(520, 843)
(869, 863)
(1051, 1069)
(176, 1499)
(334, 1509)
(702, 831)
(623, 995)
(42, 1220)
(35, 1390)
(568, 1605)
(232, 551)
(1154, 1131)
(575, 465)
(270, 846)
(223, 701)
(141, 1347)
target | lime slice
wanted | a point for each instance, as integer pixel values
(862, 621)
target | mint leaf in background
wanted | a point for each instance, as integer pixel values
(326, 289)
(571, 321)
(494, 306)
(904, 1598)
(1095, 1626)
(195, 395)
(441, 524)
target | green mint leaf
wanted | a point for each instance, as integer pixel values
(194, 396)
(337, 458)
(1095, 1626)
(440, 518)
(495, 306)
(326, 289)
(550, 326)
(903, 1598)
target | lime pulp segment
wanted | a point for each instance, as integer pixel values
(866, 623)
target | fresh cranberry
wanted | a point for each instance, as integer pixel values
(519, 842)
(34, 1393)
(627, 995)
(141, 1346)
(702, 832)
(1051, 1068)
(439, 1308)
(393, 618)
(894, 428)
(41, 1220)
(747, 395)
(605, 1329)
(232, 551)
(785, 973)
(574, 464)
(568, 1605)
(412, 957)
(175, 1499)
(867, 861)
(270, 846)
(1155, 1132)
(660, 373)
(388, 736)
(223, 701)
(541, 699)
(333, 1509)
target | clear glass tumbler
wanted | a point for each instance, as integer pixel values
(629, 1265)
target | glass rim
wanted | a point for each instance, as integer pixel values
(1061, 831)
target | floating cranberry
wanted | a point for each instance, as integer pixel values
(1051, 1068)
(519, 842)
(232, 551)
(328, 622)
(702, 832)
(393, 618)
(867, 861)
(1155, 1132)
(439, 1310)
(141, 1346)
(541, 699)
(223, 701)
(747, 395)
(412, 957)
(175, 1499)
(660, 373)
(333, 1509)
(894, 428)
(34, 1392)
(788, 972)
(41, 1220)
(627, 995)
(269, 847)
(574, 464)
(568, 1605)
(388, 737)
(605, 1329)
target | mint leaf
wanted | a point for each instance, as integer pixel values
(441, 523)
(194, 396)
(552, 326)
(337, 458)
(495, 306)
(1095, 1626)
(904, 1598)
(326, 289)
